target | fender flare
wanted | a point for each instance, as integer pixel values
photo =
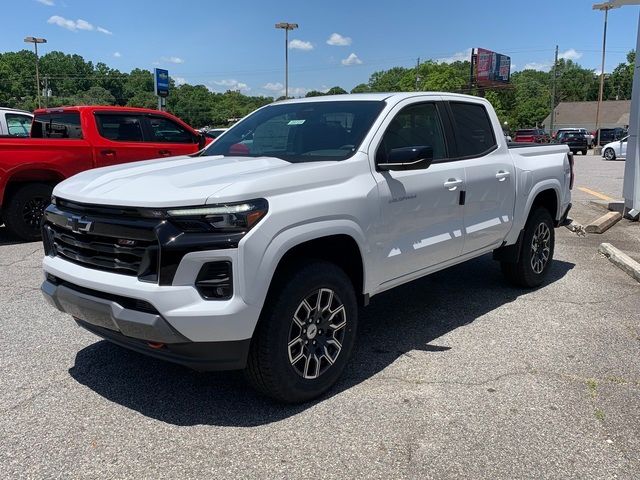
(258, 280)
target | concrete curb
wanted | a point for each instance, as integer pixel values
(604, 223)
(621, 260)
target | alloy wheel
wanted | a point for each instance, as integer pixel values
(540, 248)
(316, 333)
(33, 211)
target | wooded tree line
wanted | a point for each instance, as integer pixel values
(74, 81)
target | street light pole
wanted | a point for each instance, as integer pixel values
(606, 6)
(36, 41)
(286, 27)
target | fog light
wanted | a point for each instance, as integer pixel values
(214, 281)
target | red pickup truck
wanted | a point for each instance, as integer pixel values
(68, 140)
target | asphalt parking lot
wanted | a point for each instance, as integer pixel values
(455, 375)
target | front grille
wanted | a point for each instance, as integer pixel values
(119, 255)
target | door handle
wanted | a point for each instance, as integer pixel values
(502, 175)
(164, 153)
(452, 184)
(108, 153)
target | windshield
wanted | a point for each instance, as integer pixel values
(300, 132)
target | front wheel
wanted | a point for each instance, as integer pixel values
(609, 154)
(536, 256)
(23, 212)
(305, 335)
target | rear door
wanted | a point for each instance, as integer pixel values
(490, 178)
(121, 139)
(168, 137)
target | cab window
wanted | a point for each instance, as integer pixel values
(120, 127)
(167, 131)
(415, 125)
(60, 125)
(18, 125)
(474, 133)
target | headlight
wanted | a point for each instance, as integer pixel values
(231, 217)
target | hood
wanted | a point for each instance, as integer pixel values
(184, 181)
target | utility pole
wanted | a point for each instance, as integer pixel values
(417, 74)
(553, 93)
(46, 92)
(36, 41)
(286, 27)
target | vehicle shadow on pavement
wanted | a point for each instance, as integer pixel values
(7, 238)
(405, 319)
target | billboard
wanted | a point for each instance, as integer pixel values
(492, 68)
(161, 82)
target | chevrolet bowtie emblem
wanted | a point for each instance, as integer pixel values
(78, 224)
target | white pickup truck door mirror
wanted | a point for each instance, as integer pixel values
(407, 158)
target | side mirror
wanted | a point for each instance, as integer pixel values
(202, 141)
(407, 158)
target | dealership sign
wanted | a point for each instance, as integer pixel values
(491, 68)
(161, 82)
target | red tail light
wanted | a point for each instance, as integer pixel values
(573, 176)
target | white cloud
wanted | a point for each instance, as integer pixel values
(83, 25)
(570, 54)
(176, 60)
(456, 57)
(232, 84)
(273, 87)
(179, 80)
(338, 40)
(351, 60)
(544, 67)
(48, 3)
(75, 25)
(117, 54)
(300, 45)
(297, 91)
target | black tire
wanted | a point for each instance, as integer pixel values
(278, 336)
(529, 272)
(609, 154)
(22, 212)
(584, 152)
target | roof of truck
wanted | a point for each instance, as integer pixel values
(109, 108)
(376, 96)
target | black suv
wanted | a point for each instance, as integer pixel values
(577, 141)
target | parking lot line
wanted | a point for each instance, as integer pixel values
(601, 196)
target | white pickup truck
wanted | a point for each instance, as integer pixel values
(257, 252)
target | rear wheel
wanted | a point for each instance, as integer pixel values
(536, 256)
(584, 151)
(23, 211)
(609, 154)
(305, 335)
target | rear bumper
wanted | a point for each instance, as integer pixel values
(145, 331)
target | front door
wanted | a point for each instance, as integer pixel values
(422, 219)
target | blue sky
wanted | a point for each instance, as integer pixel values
(231, 44)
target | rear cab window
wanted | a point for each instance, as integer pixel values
(473, 129)
(57, 125)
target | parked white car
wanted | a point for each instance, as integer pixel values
(617, 149)
(15, 123)
(258, 255)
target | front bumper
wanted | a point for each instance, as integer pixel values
(136, 325)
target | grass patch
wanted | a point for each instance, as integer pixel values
(599, 414)
(592, 385)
